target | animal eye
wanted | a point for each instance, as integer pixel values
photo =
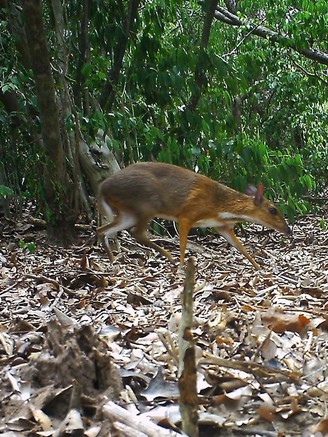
(273, 210)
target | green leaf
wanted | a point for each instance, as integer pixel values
(6, 192)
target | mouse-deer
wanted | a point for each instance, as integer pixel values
(143, 191)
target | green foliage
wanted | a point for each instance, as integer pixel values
(323, 224)
(278, 105)
(30, 246)
(5, 192)
(21, 155)
(262, 111)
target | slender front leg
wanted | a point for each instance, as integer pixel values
(140, 234)
(184, 228)
(230, 236)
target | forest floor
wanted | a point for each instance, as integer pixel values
(89, 348)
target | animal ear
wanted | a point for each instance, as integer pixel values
(251, 190)
(259, 195)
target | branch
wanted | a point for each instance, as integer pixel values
(227, 17)
(107, 97)
(307, 73)
(200, 77)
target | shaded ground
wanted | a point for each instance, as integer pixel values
(79, 336)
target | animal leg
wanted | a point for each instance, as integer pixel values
(122, 220)
(184, 228)
(230, 236)
(140, 234)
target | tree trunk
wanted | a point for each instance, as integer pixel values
(59, 215)
(97, 161)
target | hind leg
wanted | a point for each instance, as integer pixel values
(123, 220)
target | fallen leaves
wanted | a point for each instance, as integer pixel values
(281, 322)
(69, 317)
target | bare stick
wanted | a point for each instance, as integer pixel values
(187, 365)
(140, 424)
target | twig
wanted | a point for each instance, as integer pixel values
(44, 279)
(250, 367)
(167, 341)
(11, 286)
(141, 424)
(307, 73)
(243, 39)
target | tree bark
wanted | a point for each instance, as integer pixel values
(97, 161)
(58, 191)
(84, 45)
(64, 173)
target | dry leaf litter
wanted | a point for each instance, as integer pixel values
(89, 348)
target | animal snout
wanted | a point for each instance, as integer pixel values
(288, 231)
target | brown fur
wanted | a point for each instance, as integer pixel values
(146, 190)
